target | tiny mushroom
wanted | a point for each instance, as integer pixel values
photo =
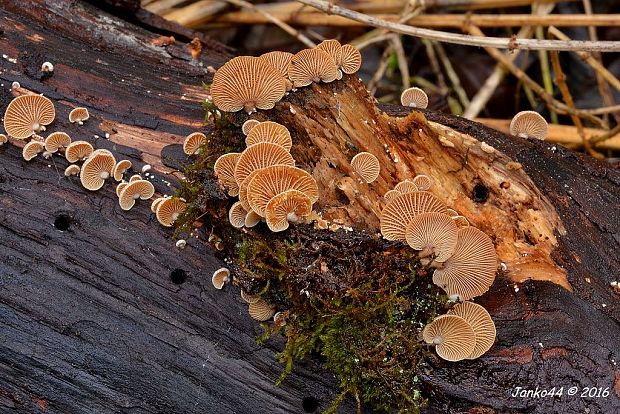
(312, 65)
(529, 124)
(351, 59)
(120, 168)
(279, 61)
(72, 169)
(27, 115)
(47, 67)
(481, 323)
(406, 186)
(453, 337)
(155, 203)
(248, 125)
(96, 169)
(56, 141)
(79, 115)
(432, 234)
(236, 215)
(169, 209)
(247, 83)
(391, 194)
(367, 166)
(193, 142)
(261, 155)
(261, 310)
(423, 182)
(270, 132)
(135, 177)
(399, 212)
(224, 169)
(334, 49)
(139, 189)
(78, 151)
(3, 139)
(247, 298)
(289, 206)
(220, 277)
(252, 219)
(414, 97)
(32, 149)
(120, 187)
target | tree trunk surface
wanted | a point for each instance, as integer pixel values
(99, 312)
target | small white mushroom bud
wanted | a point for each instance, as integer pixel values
(146, 167)
(47, 67)
(181, 244)
(15, 85)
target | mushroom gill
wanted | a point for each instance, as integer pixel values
(56, 141)
(236, 215)
(312, 65)
(453, 337)
(289, 206)
(79, 115)
(72, 169)
(248, 125)
(406, 186)
(423, 182)
(139, 189)
(482, 324)
(414, 97)
(220, 277)
(193, 142)
(270, 132)
(28, 114)
(32, 149)
(432, 234)
(367, 166)
(169, 210)
(224, 169)
(78, 151)
(399, 212)
(261, 155)
(529, 124)
(120, 168)
(261, 310)
(96, 169)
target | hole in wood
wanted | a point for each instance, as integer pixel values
(310, 404)
(178, 276)
(63, 222)
(481, 193)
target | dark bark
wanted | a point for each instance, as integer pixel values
(90, 320)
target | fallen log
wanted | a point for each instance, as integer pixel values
(99, 312)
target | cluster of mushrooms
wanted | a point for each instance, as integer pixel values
(28, 115)
(463, 258)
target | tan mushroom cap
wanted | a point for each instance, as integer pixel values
(392, 194)
(169, 210)
(453, 337)
(248, 83)
(224, 169)
(135, 177)
(351, 59)
(270, 132)
(155, 203)
(367, 166)
(423, 182)
(120, 168)
(529, 124)
(56, 141)
(432, 234)
(334, 49)
(291, 205)
(3, 139)
(261, 155)
(481, 323)
(236, 215)
(78, 151)
(243, 190)
(252, 219)
(32, 149)
(414, 97)
(79, 115)
(27, 115)
(261, 310)
(96, 169)
(406, 186)
(274, 180)
(220, 277)
(193, 142)
(139, 189)
(249, 298)
(460, 221)
(120, 187)
(470, 271)
(72, 169)
(452, 212)
(402, 209)
(279, 60)
(248, 125)
(312, 65)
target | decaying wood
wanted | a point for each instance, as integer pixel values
(90, 320)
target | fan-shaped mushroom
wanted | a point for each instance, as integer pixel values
(72, 170)
(312, 65)
(406, 186)
(453, 337)
(270, 132)
(243, 190)
(399, 212)
(423, 182)
(470, 271)
(291, 205)
(79, 115)
(193, 142)
(3, 139)
(280, 61)
(367, 166)
(120, 168)
(350, 60)
(248, 125)
(392, 194)
(251, 219)
(28, 114)
(249, 298)
(96, 169)
(120, 187)
(32, 149)
(135, 177)
(248, 83)
(414, 97)
(224, 169)
(432, 234)
(529, 124)
(155, 203)
(261, 310)
(236, 215)
(482, 324)
(261, 155)
(271, 181)
(220, 277)
(78, 151)
(169, 210)
(56, 141)
(139, 189)
(333, 48)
